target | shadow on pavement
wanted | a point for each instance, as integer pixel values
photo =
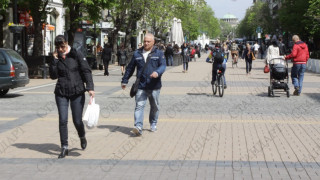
(47, 148)
(314, 96)
(199, 94)
(122, 129)
(10, 96)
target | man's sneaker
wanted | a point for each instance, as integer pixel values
(153, 128)
(137, 131)
(296, 91)
(225, 86)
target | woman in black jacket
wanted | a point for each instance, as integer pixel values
(72, 71)
(122, 58)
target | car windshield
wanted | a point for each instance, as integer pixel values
(14, 56)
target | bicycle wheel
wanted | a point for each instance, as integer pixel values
(221, 85)
(215, 87)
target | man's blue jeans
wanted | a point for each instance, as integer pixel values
(170, 60)
(141, 99)
(297, 74)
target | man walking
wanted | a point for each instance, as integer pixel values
(169, 55)
(300, 56)
(256, 49)
(106, 57)
(150, 82)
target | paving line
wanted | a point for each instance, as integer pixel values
(7, 119)
(31, 88)
(195, 121)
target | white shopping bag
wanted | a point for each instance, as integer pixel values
(91, 116)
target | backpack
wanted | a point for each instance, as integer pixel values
(218, 57)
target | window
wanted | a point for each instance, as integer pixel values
(2, 60)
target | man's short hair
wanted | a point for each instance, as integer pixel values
(149, 35)
(295, 38)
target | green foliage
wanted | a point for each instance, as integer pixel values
(257, 16)
(209, 24)
(292, 17)
(313, 18)
(226, 29)
(197, 18)
(4, 4)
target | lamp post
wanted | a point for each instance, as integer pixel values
(108, 17)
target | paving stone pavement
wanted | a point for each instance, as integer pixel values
(243, 135)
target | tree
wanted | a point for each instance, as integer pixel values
(313, 21)
(84, 10)
(292, 17)
(210, 24)
(257, 16)
(38, 11)
(158, 14)
(226, 30)
(3, 6)
(197, 18)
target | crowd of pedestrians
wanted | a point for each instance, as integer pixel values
(150, 60)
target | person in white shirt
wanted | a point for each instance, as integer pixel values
(256, 49)
(273, 52)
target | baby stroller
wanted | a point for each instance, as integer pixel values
(279, 76)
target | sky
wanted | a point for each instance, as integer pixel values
(235, 7)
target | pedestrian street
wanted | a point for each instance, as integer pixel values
(243, 135)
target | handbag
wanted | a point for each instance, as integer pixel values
(134, 88)
(252, 55)
(91, 116)
(266, 69)
(135, 85)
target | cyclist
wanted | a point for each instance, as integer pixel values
(217, 64)
(234, 52)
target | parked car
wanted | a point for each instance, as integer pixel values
(13, 71)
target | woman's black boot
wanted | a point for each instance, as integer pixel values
(83, 142)
(64, 152)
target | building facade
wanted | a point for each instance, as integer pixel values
(231, 19)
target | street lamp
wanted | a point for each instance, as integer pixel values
(109, 17)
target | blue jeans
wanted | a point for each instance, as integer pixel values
(248, 65)
(141, 99)
(297, 74)
(185, 66)
(170, 60)
(222, 67)
(77, 104)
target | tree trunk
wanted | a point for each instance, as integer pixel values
(74, 25)
(38, 39)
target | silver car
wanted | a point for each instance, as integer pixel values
(13, 71)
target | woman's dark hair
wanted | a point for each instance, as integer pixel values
(60, 40)
(274, 43)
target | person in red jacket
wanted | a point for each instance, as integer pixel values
(300, 56)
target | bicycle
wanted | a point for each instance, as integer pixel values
(218, 84)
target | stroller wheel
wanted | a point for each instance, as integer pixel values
(288, 93)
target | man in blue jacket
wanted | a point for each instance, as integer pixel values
(150, 82)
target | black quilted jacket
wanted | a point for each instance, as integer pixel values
(73, 74)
